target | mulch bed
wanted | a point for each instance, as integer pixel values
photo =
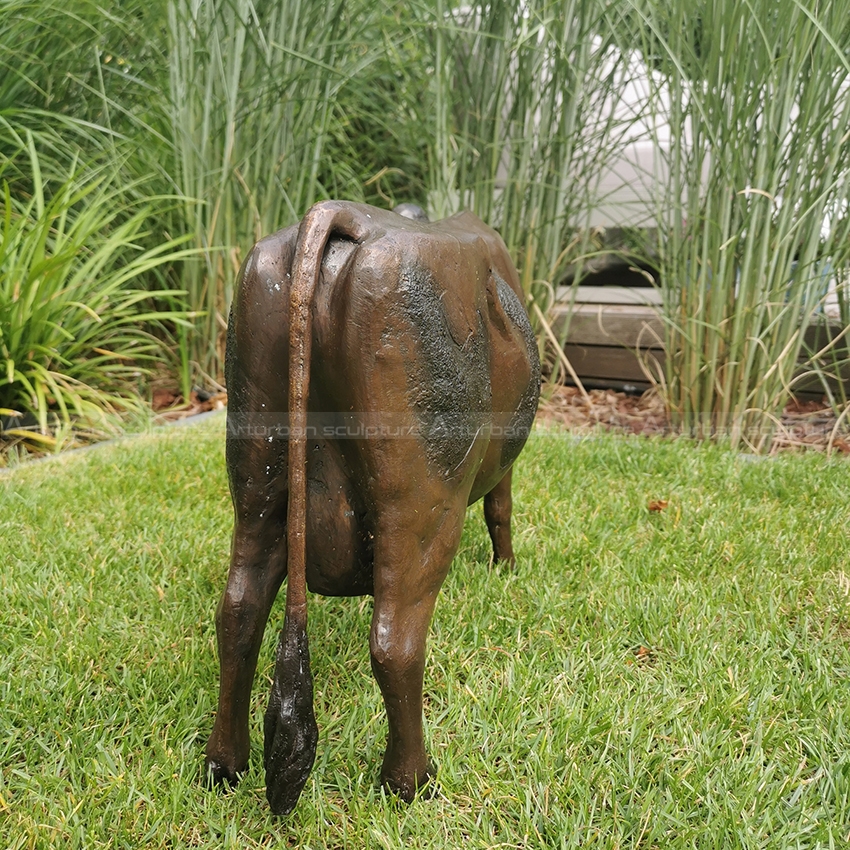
(809, 424)
(169, 405)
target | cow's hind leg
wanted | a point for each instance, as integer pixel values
(257, 569)
(498, 506)
(411, 562)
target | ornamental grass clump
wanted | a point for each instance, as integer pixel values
(526, 121)
(75, 332)
(750, 183)
(251, 95)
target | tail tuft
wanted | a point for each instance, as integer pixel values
(291, 733)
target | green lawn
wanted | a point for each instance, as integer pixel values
(645, 679)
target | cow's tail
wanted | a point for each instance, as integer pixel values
(290, 725)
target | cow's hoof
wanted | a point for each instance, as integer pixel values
(218, 775)
(508, 562)
(422, 784)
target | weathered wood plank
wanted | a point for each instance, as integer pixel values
(630, 325)
(608, 295)
(610, 330)
(612, 363)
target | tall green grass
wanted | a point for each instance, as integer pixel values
(525, 124)
(228, 119)
(250, 105)
(756, 97)
(79, 59)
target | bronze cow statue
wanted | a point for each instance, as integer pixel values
(382, 375)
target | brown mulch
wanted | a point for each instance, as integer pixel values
(806, 424)
(169, 405)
